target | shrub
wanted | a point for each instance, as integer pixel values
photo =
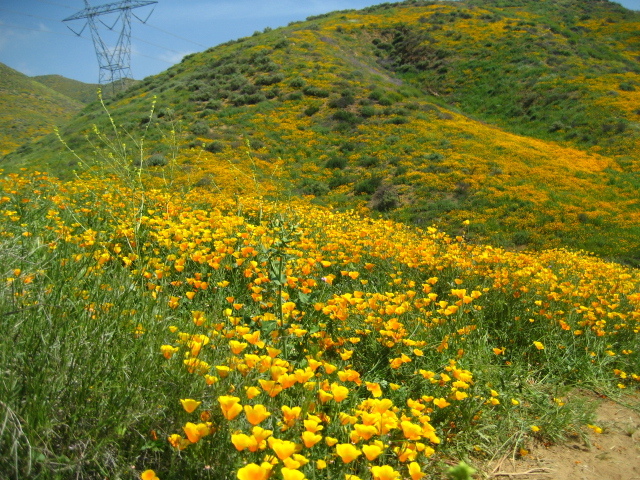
(385, 198)
(314, 187)
(311, 110)
(200, 128)
(367, 186)
(521, 238)
(155, 160)
(339, 180)
(336, 162)
(626, 87)
(368, 161)
(342, 101)
(315, 92)
(346, 116)
(214, 147)
(269, 79)
(297, 82)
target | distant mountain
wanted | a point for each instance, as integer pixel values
(82, 92)
(29, 109)
(522, 116)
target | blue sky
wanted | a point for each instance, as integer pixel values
(35, 41)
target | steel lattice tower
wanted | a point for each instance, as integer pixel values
(114, 62)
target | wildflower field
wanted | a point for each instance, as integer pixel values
(219, 286)
(148, 330)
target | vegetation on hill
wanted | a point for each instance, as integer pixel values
(520, 115)
(80, 91)
(29, 110)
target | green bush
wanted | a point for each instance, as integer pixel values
(311, 110)
(315, 91)
(214, 147)
(385, 198)
(367, 186)
(200, 128)
(336, 162)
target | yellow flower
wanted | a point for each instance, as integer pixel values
(270, 386)
(347, 452)
(330, 441)
(256, 414)
(460, 395)
(168, 350)
(242, 441)
(535, 428)
(290, 474)
(324, 396)
(539, 345)
(195, 432)
(176, 441)
(260, 434)
(374, 388)
(595, 428)
(290, 414)
(414, 471)
(283, 448)
(366, 431)
(252, 392)
(384, 472)
(310, 438)
(411, 431)
(189, 404)
(371, 452)
(230, 406)
(339, 392)
(255, 472)
(148, 475)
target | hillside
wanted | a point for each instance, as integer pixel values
(29, 110)
(520, 116)
(80, 91)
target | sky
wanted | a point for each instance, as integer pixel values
(35, 41)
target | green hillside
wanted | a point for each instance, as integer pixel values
(28, 109)
(80, 91)
(520, 116)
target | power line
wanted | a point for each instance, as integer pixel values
(155, 45)
(40, 30)
(56, 4)
(176, 36)
(24, 14)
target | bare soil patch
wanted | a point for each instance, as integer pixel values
(612, 455)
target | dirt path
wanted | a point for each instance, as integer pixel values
(611, 455)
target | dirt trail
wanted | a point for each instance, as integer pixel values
(611, 455)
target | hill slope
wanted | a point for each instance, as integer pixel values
(28, 109)
(517, 115)
(80, 91)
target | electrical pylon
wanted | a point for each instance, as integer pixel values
(114, 62)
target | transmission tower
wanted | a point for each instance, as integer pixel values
(115, 61)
